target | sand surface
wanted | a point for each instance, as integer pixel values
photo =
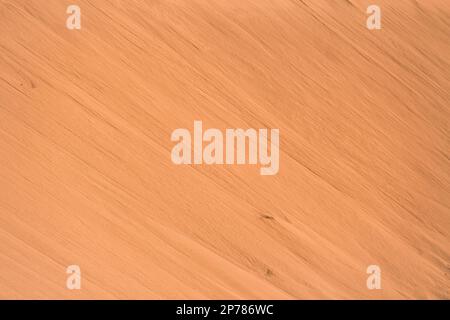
(86, 176)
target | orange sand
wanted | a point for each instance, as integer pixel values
(86, 176)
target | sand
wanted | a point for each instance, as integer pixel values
(86, 176)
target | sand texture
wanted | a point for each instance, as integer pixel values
(86, 176)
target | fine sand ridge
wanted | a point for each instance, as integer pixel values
(86, 176)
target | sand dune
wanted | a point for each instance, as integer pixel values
(86, 176)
